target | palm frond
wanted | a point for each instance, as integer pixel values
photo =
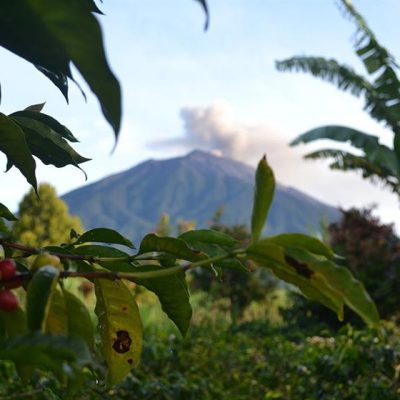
(377, 59)
(374, 152)
(344, 77)
(345, 161)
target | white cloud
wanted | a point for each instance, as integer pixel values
(214, 128)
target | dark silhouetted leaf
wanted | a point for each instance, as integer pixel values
(6, 213)
(48, 145)
(13, 144)
(49, 121)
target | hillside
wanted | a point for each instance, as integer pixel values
(192, 187)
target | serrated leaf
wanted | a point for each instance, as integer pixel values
(37, 108)
(263, 195)
(40, 290)
(173, 294)
(6, 213)
(62, 130)
(120, 328)
(175, 247)
(13, 144)
(47, 352)
(48, 145)
(209, 236)
(79, 321)
(104, 235)
(57, 317)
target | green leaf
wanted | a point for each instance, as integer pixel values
(79, 33)
(106, 251)
(47, 144)
(47, 352)
(175, 247)
(14, 322)
(263, 195)
(299, 240)
(40, 290)
(6, 213)
(269, 255)
(209, 236)
(57, 317)
(51, 34)
(79, 321)
(52, 123)
(13, 144)
(104, 235)
(340, 280)
(120, 328)
(173, 294)
(317, 277)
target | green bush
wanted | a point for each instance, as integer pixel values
(254, 361)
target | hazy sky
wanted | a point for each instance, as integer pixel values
(184, 89)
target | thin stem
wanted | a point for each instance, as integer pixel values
(114, 275)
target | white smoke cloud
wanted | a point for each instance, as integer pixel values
(215, 129)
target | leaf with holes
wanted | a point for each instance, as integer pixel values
(120, 328)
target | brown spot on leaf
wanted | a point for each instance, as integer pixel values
(123, 342)
(124, 308)
(301, 268)
(130, 361)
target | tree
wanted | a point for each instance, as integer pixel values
(53, 330)
(381, 92)
(44, 220)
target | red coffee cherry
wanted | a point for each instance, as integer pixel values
(8, 301)
(15, 283)
(7, 269)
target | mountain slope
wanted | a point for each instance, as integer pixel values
(192, 187)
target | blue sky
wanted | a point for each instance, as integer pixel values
(226, 82)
